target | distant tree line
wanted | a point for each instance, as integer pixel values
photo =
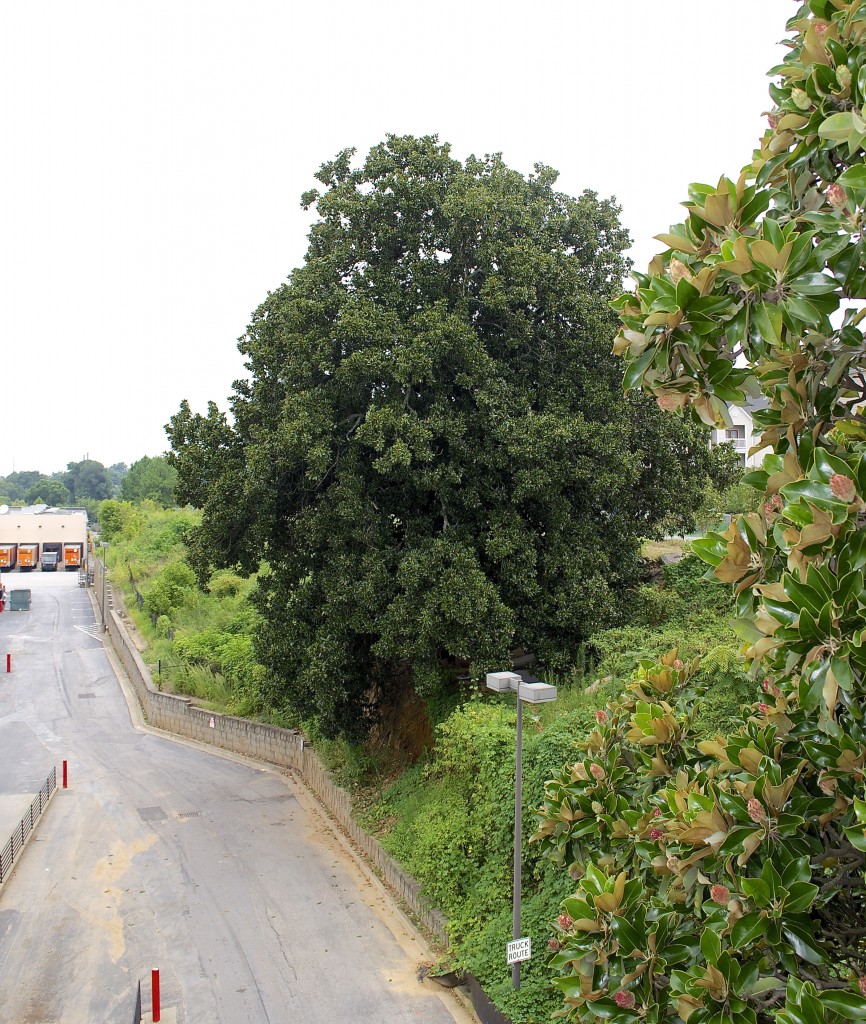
(87, 483)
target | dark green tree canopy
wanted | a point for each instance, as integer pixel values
(87, 480)
(49, 492)
(14, 487)
(116, 473)
(433, 454)
(150, 479)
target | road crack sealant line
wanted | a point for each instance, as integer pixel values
(474, 999)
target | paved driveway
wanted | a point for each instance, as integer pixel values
(223, 875)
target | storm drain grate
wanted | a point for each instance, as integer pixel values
(189, 814)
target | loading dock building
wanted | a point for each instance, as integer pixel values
(28, 533)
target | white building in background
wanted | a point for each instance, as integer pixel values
(743, 435)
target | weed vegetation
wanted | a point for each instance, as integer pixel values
(197, 642)
(447, 818)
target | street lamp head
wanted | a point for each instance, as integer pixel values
(503, 682)
(533, 692)
(536, 693)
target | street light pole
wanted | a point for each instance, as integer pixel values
(103, 544)
(533, 691)
(518, 838)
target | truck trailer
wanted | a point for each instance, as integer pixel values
(73, 557)
(8, 557)
(28, 557)
(52, 556)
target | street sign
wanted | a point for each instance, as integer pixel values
(519, 949)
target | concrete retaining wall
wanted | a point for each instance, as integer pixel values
(284, 747)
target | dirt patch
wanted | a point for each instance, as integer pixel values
(670, 550)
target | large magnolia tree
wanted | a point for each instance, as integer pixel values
(433, 454)
(723, 882)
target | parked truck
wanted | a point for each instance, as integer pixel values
(8, 557)
(52, 556)
(28, 557)
(73, 557)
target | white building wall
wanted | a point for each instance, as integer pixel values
(743, 436)
(26, 526)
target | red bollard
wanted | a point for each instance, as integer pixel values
(64, 775)
(154, 979)
(8, 662)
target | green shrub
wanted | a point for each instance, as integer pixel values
(654, 606)
(226, 584)
(170, 589)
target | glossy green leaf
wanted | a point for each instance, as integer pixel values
(711, 946)
(837, 127)
(799, 934)
(749, 928)
(849, 1005)
(636, 369)
(813, 284)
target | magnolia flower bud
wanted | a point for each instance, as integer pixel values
(836, 196)
(565, 921)
(678, 270)
(773, 506)
(624, 999)
(756, 811)
(764, 708)
(842, 487)
(601, 717)
(821, 27)
(720, 894)
(656, 833)
(553, 944)
(668, 401)
(861, 984)
(801, 99)
(679, 665)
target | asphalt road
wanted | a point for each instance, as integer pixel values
(222, 875)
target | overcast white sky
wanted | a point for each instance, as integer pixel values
(152, 158)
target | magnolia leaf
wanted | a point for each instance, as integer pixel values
(837, 127)
(678, 242)
(586, 924)
(853, 177)
(802, 940)
(848, 1005)
(750, 844)
(747, 929)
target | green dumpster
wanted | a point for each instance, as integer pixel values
(19, 600)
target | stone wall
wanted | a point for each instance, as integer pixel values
(284, 747)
